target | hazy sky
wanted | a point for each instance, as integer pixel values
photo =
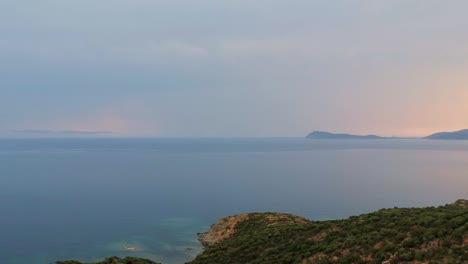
(232, 68)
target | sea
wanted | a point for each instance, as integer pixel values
(85, 199)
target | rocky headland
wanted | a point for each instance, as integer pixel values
(396, 235)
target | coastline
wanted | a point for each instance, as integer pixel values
(396, 235)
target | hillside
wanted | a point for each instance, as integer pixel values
(457, 135)
(399, 235)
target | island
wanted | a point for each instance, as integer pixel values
(323, 135)
(395, 235)
(457, 135)
(328, 135)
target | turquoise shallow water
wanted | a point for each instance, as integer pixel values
(89, 198)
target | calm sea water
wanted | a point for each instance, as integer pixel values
(89, 198)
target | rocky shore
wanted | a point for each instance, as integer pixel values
(397, 235)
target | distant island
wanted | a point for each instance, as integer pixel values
(328, 135)
(457, 135)
(397, 235)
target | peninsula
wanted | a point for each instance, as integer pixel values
(397, 235)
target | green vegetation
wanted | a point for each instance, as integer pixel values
(398, 235)
(113, 260)
(406, 235)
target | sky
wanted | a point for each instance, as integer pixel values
(233, 68)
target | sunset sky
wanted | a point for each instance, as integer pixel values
(232, 68)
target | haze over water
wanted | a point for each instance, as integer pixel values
(90, 198)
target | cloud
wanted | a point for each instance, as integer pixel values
(33, 131)
(206, 68)
(103, 51)
(151, 52)
(66, 132)
(87, 133)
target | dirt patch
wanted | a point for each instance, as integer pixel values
(378, 245)
(286, 219)
(221, 230)
(462, 203)
(315, 258)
